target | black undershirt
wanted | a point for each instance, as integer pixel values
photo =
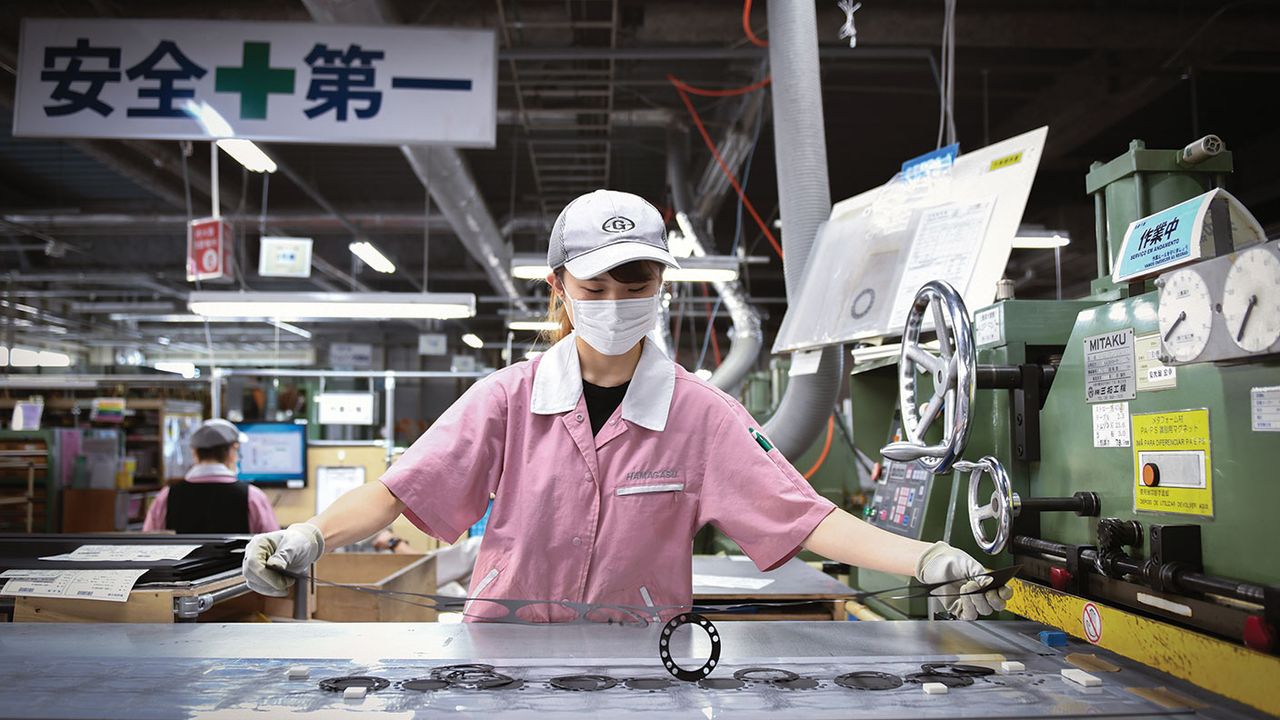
(601, 402)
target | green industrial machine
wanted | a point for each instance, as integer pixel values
(1120, 448)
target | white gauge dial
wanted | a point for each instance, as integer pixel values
(1186, 315)
(1251, 300)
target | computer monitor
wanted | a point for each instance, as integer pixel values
(275, 454)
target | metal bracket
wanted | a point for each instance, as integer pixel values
(1024, 407)
(1077, 567)
(1173, 548)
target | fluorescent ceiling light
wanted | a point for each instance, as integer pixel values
(293, 306)
(244, 151)
(533, 354)
(24, 357)
(247, 154)
(708, 268)
(703, 373)
(121, 307)
(679, 244)
(305, 334)
(51, 359)
(371, 256)
(1034, 238)
(472, 340)
(185, 369)
(695, 274)
(534, 325)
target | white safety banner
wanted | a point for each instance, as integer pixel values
(278, 82)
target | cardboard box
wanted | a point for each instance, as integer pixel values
(379, 571)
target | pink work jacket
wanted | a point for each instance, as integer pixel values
(608, 519)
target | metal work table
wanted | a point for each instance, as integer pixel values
(233, 671)
(795, 581)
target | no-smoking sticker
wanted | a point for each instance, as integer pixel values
(1091, 619)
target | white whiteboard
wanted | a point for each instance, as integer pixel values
(866, 260)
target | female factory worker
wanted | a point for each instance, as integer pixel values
(604, 459)
(210, 499)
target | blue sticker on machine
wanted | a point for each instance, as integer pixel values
(1158, 241)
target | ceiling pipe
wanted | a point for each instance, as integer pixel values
(746, 337)
(105, 223)
(804, 196)
(441, 170)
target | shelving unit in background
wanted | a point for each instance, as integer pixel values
(28, 481)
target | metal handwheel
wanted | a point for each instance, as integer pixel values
(1003, 506)
(954, 371)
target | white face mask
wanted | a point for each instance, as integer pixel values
(614, 326)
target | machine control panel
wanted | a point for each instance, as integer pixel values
(1222, 309)
(901, 498)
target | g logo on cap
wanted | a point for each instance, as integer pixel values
(617, 224)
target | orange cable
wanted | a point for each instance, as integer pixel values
(826, 448)
(682, 88)
(746, 25)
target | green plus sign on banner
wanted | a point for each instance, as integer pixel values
(255, 79)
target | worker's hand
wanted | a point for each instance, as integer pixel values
(294, 549)
(942, 563)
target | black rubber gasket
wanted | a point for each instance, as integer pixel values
(444, 671)
(368, 682)
(749, 675)
(721, 684)
(664, 647)
(583, 683)
(951, 681)
(957, 669)
(803, 683)
(483, 681)
(648, 683)
(869, 680)
(425, 684)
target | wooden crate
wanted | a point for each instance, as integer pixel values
(381, 571)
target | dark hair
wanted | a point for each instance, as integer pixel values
(217, 453)
(636, 271)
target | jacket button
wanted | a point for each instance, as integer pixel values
(579, 416)
(577, 541)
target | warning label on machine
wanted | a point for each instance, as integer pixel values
(1172, 468)
(1110, 368)
(1153, 374)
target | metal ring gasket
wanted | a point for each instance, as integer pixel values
(583, 683)
(951, 681)
(957, 669)
(748, 675)
(868, 680)
(368, 682)
(664, 647)
(425, 684)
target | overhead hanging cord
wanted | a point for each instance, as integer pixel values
(746, 26)
(946, 100)
(684, 90)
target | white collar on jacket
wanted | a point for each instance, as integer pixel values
(557, 384)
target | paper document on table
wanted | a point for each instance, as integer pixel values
(946, 246)
(125, 553)
(726, 581)
(109, 585)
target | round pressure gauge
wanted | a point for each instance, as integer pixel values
(1185, 315)
(1251, 300)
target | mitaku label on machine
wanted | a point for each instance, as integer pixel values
(1110, 367)
(1172, 467)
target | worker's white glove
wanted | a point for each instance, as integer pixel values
(294, 549)
(942, 563)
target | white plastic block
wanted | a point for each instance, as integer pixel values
(1081, 677)
(298, 672)
(1012, 666)
(355, 693)
(934, 689)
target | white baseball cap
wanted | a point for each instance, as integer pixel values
(216, 432)
(601, 230)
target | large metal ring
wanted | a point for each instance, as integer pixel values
(1002, 507)
(664, 647)
(954, 372)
